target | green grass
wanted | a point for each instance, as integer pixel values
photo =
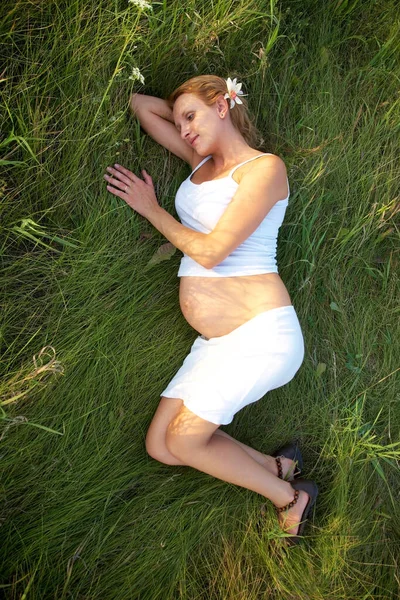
(86, 513)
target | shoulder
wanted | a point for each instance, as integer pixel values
(267, 165)
(266, 174)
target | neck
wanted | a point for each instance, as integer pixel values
(230, 152)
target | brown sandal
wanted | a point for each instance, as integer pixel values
(291, 451)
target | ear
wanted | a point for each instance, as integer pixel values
(222, 106)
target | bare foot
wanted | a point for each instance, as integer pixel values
(290, 519)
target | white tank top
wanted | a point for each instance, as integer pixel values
(200, 206)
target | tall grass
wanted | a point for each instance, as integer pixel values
(91, 327)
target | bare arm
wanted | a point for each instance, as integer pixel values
(155, 117)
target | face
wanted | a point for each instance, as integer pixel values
(199, 125)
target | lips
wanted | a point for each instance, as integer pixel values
(193, 140)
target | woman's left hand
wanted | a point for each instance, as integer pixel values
(138, 194)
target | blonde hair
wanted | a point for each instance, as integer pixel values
(208, 88)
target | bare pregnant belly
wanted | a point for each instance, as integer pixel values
(215, 306)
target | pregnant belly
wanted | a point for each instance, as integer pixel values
(215, 306)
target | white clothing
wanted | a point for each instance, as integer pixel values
(200, 206)
(223, 374)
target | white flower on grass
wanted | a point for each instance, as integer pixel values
(141, 4)
(234, 90)
(136, 75)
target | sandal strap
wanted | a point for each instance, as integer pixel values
(279, 465)
(295, 472)
(292, 503)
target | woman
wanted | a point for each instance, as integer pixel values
(250, 342)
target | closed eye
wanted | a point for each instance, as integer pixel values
(188, 117)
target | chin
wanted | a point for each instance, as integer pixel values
(201, 151)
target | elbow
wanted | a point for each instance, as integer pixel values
(207, 265)
(207, 253)
(134, 102)
(213, 253)
(210, 263)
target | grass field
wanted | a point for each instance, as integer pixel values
(91, 328)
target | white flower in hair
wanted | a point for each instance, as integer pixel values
(234, 90)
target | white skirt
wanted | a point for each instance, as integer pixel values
(223, 374)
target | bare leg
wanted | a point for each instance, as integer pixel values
(265, 460)
(167, 410)
(190, 439)
(268, 462)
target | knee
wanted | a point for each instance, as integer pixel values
(158, 451)
(177, 443)
(154, 448)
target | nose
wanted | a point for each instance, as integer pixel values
(185, 133)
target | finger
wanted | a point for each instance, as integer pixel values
(118, 193)
(127, 173)
(147, 177)
(114, 173)
(121, 185)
